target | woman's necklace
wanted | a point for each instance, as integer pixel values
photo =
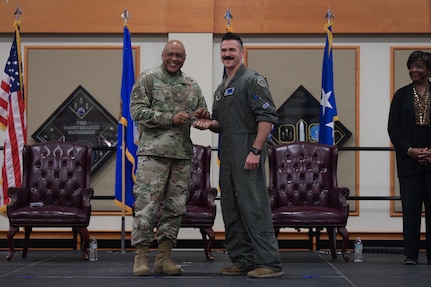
(422, 104)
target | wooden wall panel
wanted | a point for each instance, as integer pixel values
(85, 16)
(366, 16)
(250, 16)
(190, 16)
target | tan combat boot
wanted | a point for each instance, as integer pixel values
(140, 268)
(164, 263)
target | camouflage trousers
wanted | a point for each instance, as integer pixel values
(160, 182)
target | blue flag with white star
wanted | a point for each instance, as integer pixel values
(328, 108)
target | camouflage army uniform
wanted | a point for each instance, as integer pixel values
(164, 153)
(238, 107)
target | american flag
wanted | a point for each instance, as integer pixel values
(12, 119)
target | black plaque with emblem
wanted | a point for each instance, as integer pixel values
(80, 118)
(298, 120)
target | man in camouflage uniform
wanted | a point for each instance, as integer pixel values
(243, 114)
(163, 102)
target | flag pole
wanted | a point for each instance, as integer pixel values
(123, 193)
(126, 147)
(125, 15)
(228, 16)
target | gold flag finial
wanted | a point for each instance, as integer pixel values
(228, 16)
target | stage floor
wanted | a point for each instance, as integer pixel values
(302, 268)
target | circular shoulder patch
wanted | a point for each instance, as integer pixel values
(261, 81)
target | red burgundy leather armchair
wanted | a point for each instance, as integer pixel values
(55, 192)
(201, 209)
(304, 192)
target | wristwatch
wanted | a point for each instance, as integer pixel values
(256, 151)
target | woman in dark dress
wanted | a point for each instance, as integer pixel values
(410, 132)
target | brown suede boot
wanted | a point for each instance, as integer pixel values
(140, 268)
(164, 263)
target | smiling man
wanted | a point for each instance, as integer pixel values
(163, 101)
(243, 114)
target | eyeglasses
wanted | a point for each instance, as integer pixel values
(176, 55)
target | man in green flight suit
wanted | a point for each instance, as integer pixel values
(243, 114)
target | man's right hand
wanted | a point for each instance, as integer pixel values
(202, 124)
(180, 118)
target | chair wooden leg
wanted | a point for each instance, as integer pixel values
(208, 239)
(27, 231)
(345, 235)
(75, 237)
(11, 233)
(276, 231)
(332, 241)
(84, 244)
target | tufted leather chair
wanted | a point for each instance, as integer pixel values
(55, 191)
(201, 209)
(304, 192)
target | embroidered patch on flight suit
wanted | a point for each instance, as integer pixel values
(229, 91)
(265, 105)
(218, 96)
(261, 81)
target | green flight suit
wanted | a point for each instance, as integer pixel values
(238, 107)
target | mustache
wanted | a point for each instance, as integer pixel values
(227, 58)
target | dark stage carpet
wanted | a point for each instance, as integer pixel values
(302, 268)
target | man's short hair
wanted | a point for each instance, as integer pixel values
(232, 36)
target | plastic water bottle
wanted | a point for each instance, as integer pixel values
(93, 249)
(358, 250)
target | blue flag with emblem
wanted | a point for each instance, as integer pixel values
(328, 107)
(126, 147)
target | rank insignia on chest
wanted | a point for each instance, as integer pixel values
(229, 91)
(218, 96)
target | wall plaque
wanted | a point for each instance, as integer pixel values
(298, 120)
(80, 118)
